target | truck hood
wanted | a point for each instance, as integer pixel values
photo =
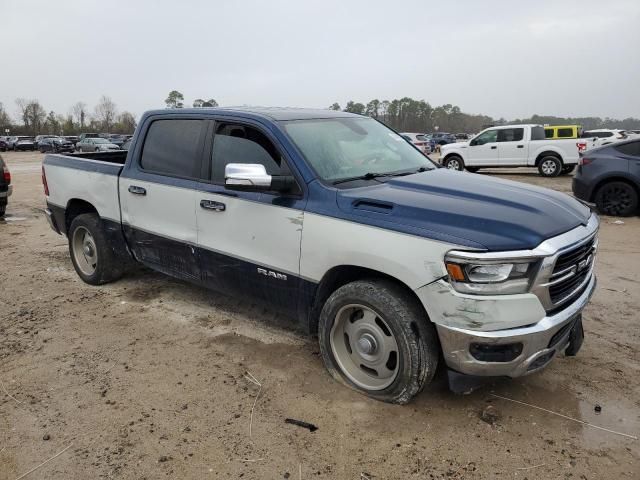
(465, 209)
(450, 146)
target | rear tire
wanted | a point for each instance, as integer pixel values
(567, 169)
(550, 166)
(93, 258)
(454, 162)
(375, 338)
(618, 199)
(472, 169)
(3, 210)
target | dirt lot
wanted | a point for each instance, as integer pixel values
(144, 378)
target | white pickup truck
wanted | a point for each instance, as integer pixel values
(513, 146)
(336, 220)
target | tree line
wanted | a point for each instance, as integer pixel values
(34, 119)
(409, 115)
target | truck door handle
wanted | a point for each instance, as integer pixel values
(137, 190)
(211, 205)
(494, 147)
(520, 146)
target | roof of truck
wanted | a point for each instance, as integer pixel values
(271, 113)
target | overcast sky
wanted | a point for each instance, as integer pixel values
(502, 58)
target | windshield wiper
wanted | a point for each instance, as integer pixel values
(373, 175)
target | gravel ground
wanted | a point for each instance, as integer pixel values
(144, 378)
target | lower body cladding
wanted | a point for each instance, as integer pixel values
(475, 351)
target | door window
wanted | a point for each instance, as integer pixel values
(236, 143)
(631, 148)
(172, 147)
(490, 136)
(548, 132)
(510, 134)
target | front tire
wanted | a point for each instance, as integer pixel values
(93, 258)
(618, 199)
(454, 162)
(550, 166)
(375, 338)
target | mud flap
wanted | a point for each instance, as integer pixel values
(576, 337)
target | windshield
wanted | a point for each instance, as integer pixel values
(340, 148)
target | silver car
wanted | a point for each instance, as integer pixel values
(95, 145)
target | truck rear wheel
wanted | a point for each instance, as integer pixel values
(550, 166)
(91, 255)
(567, 169)
(376, 339)
(454, 162)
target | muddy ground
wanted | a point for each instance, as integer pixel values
(144, 379)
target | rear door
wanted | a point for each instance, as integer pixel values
(249, 242)
(158, 194)
(512, 149)
(483, 150)
(631, 152)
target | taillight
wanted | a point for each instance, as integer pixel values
(6, 175)
(44, 182)
(582, 146)
(585, 161)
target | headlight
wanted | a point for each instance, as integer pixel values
(490, 277)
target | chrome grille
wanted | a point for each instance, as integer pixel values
(571, 271)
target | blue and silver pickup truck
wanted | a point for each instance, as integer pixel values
(395, 264)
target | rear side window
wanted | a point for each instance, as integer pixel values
(236, 143)
(631, 148)
(537, 133)
(548, 132)
(565, 132)
(510, 134)
(173, 148)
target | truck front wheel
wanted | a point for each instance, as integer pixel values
(91, 255)
(375, 338)
(550, 166)
(454, 162)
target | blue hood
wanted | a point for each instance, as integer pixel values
(470, 210)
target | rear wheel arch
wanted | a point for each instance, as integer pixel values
(76, 207)
(548, 153)
(341, 275)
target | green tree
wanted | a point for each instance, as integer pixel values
(175, 99)
(353, 107)
(335, 106)
(373, 108)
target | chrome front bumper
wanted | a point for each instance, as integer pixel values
(535, 339)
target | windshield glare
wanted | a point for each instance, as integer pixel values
(339, 148)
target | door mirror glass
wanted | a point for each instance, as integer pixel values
(247, 176)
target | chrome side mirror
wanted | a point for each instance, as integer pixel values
(246, 176)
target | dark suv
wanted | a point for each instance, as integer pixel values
(609, 176)
(5, 186)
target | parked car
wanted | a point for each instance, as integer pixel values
(72, 138)
(126, 145)
(5, 186)
(95, 145)
(117, 139)
(513, 146)
(461, 136)
(337, 221)
(609, 176)
(87, 135)
(4, 146)
(554, 132)
(23, 143)
(55, 145)
(38, 138)
(419, 140)
(442, 138)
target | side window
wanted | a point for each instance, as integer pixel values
(172, 147)
(510, 134)
(235, 143)
(548, 133)
(490, 136)
(631, 148)
(565, 132)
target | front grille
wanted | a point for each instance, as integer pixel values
(571, 270)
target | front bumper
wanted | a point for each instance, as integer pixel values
(540, 344)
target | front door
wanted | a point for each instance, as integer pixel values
(249, 242)
(158, 196)
(483, 150)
